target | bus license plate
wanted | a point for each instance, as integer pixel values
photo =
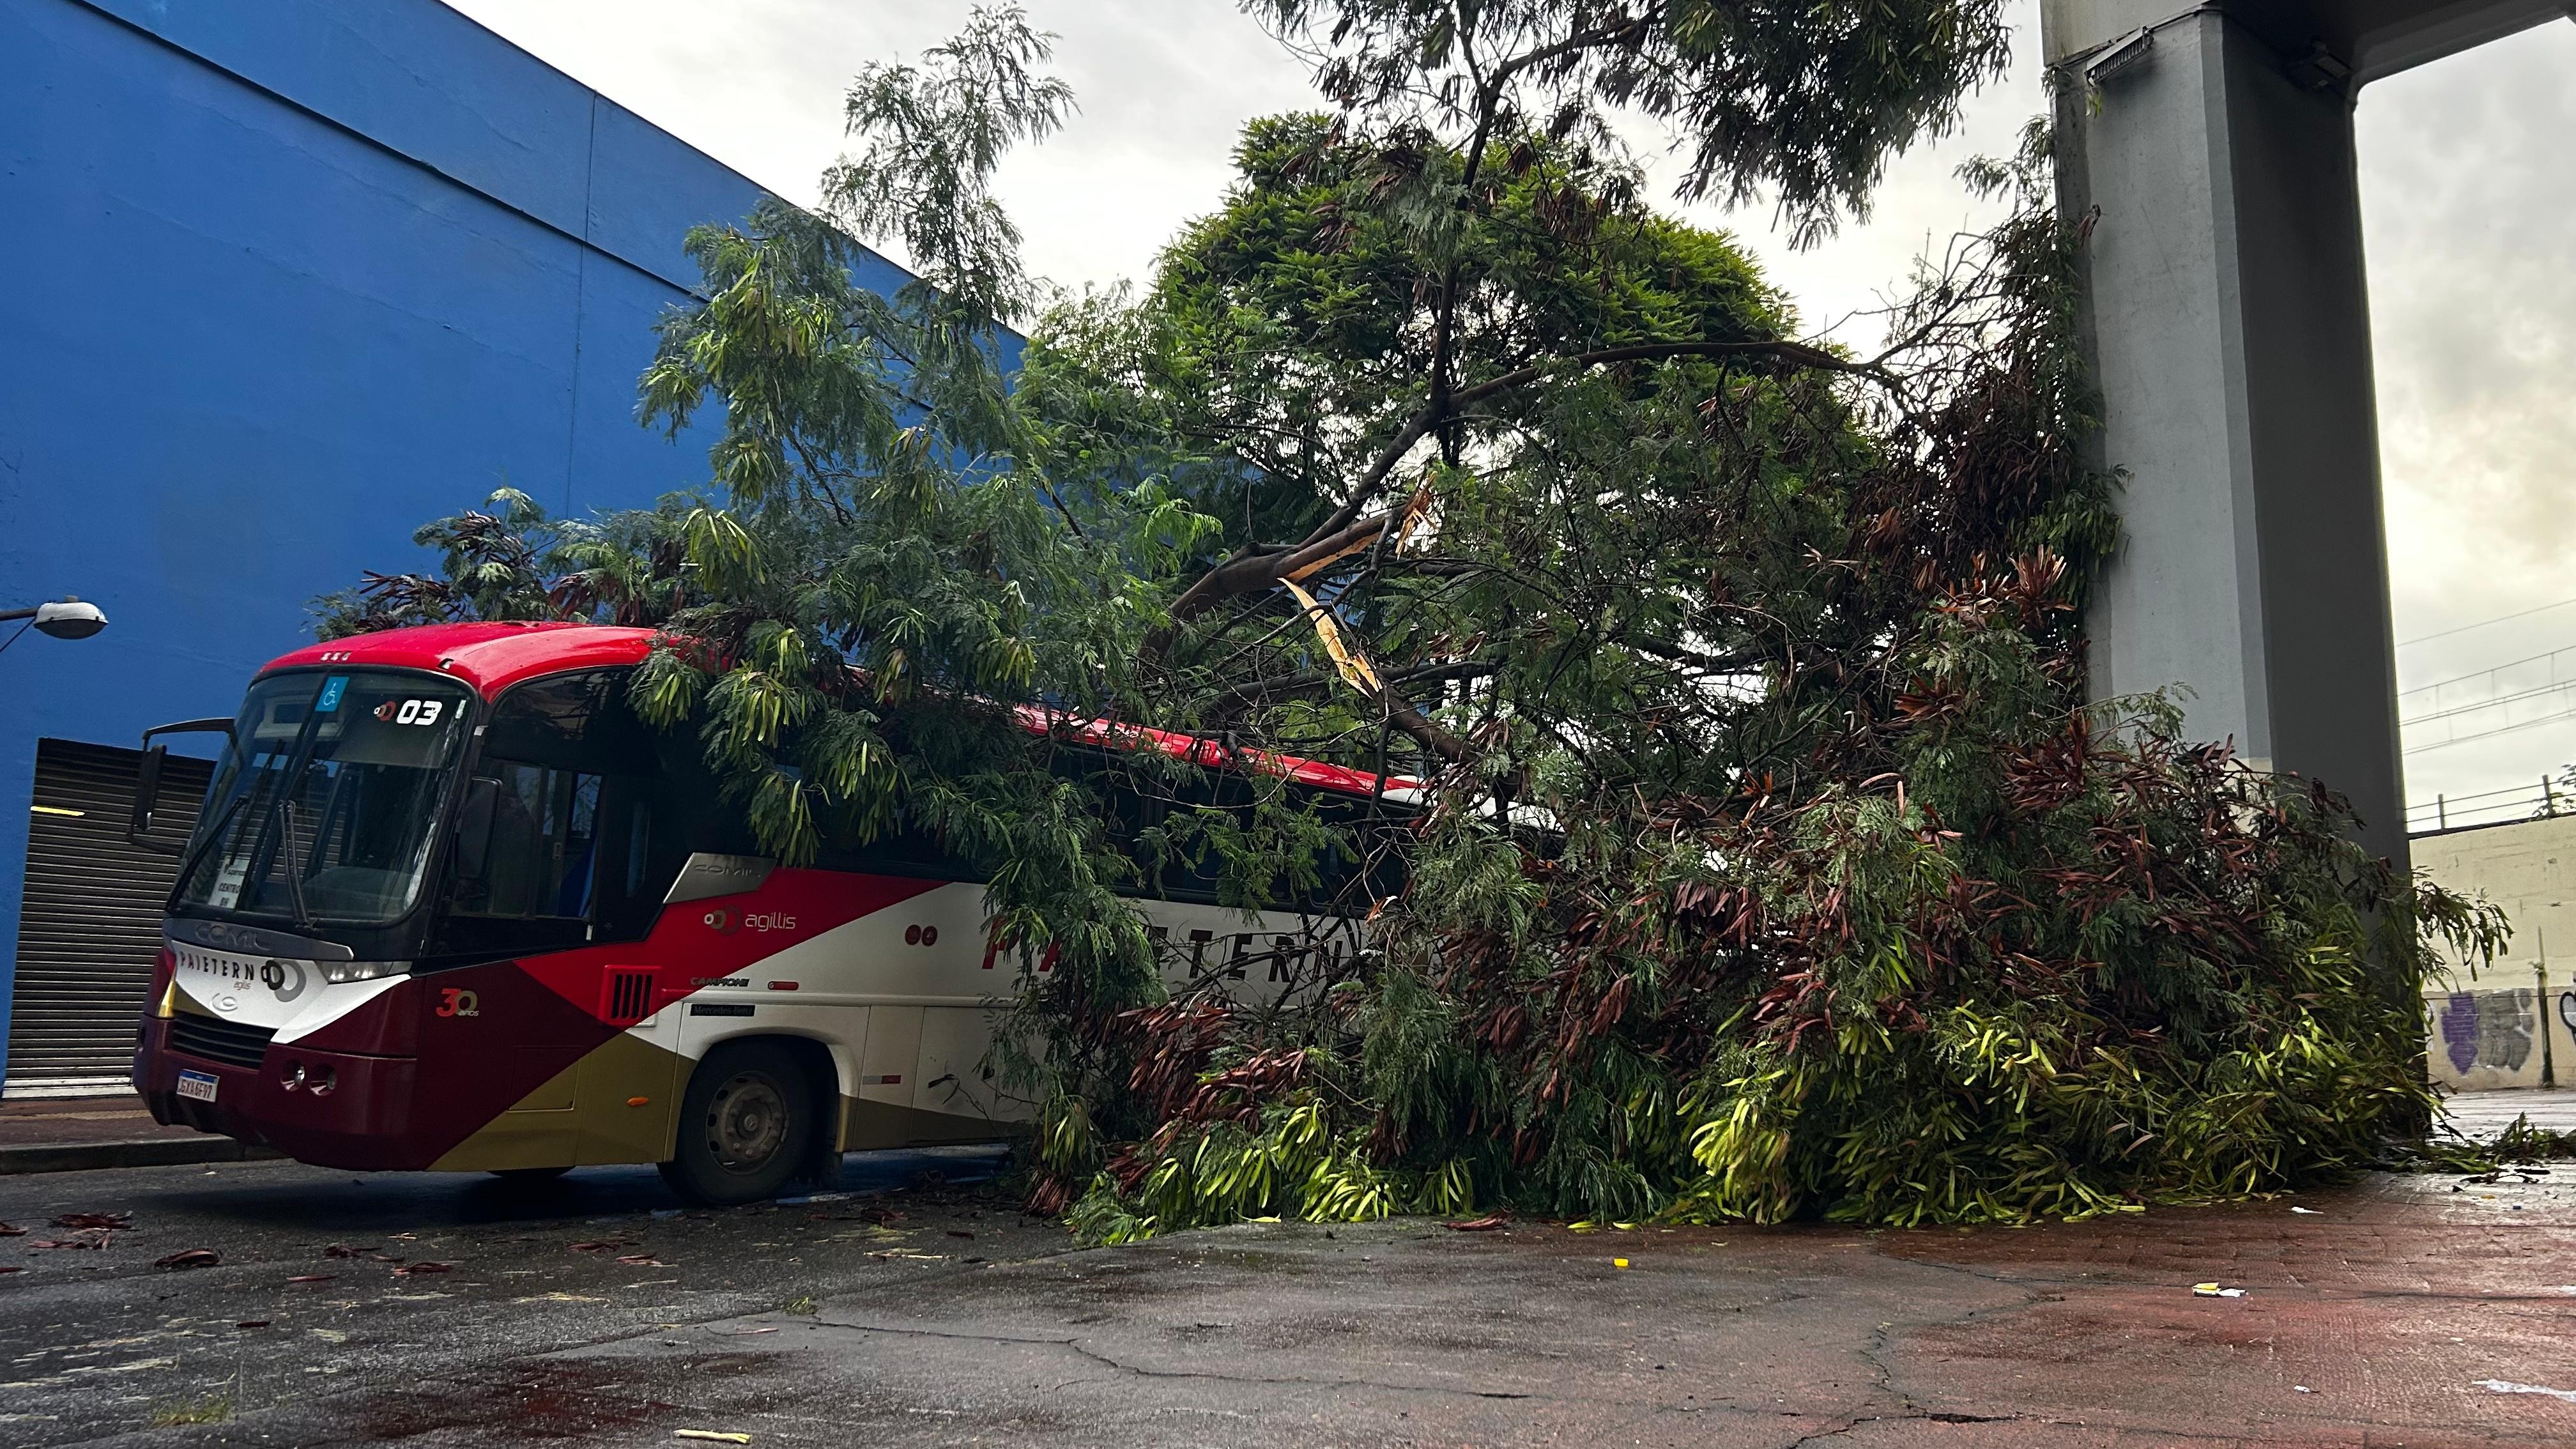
(200, 1085)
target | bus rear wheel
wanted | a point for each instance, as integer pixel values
(746, 1124)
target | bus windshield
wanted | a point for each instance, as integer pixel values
(323, 806)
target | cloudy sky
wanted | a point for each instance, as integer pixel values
(2468, 189)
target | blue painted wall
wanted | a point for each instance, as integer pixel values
(288, 279)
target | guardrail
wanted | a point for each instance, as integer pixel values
(2548, 798)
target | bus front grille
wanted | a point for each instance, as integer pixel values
(228, 1042)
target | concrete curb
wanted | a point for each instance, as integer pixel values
(145, 1152)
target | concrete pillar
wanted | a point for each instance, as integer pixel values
(2228, 317)
(2230, 330)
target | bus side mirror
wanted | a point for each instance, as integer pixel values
(147, 778)
(147, 793)
(474, 827)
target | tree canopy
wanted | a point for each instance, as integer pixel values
(1770, 857)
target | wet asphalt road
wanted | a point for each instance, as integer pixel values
(101, 1346)
(2419, 1312)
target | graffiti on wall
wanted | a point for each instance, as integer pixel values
(2490, 1028)
(2496, 1030)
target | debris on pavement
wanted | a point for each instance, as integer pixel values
(85, 1238)
(2212, 1290)
(2307, 1212)
(407, 1269)
(1618, 1262)
(314, 1278)
(252, 1323)
(190, 1258)
(12, 1230)
(642, 1260)
(95, 1220)
(2508, 1386)
(720, 1436)
(2301, 1389)
(604, 1245)
(2497, 1177)
(1484, 1224)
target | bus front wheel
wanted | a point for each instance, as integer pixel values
(746, 1123)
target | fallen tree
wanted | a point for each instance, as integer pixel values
(1771, 858)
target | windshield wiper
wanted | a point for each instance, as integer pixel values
(214, 832)
(294, 868)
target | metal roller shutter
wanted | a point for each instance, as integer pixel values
(90, 925)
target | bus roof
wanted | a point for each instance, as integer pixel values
(492, 657)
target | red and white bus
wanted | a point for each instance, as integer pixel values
(451, 906)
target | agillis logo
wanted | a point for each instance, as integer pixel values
(725, 923)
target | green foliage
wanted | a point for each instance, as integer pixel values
(514, 562)
(1291, 326)
(1803, 100)
(935, 134)
(1295, 1164)
(912, 561)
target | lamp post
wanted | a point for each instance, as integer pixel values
(66, 619)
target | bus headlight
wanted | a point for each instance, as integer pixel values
(337, 972)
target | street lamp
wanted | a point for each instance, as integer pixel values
(68, 619)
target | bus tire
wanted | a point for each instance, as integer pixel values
(746, 1125)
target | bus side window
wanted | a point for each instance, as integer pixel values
(571, 850)
(543, 857)
(635, 866)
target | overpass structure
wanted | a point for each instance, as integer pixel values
(2228, 319)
